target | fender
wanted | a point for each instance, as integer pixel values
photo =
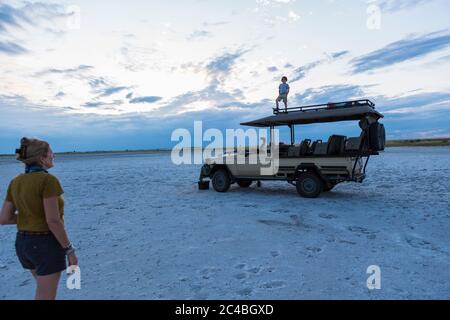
(216, 167)
(309, 167)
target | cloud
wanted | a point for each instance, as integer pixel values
(11, 48)
(81, 67)
(276, 12)
(214, 97)
(223, 63)
(98, 88)
(292, 16)
(199, 34)
(111, 90)
(31, 13)
(191, 67)
(214, 24)
(423, 103)
(246, 105)
(273, 3)
(302, 71)
(97, 82)
(146, 99)
(11, 17)
(427, 102)
(339, 54)
(217, 68)
(406, 49)
(135, 58)
(399, 5)
(272, 69)
(330, 93)
(103, 105)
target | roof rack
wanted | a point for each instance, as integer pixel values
(329, 105)
(330, 112)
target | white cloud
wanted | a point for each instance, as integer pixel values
(293, 16)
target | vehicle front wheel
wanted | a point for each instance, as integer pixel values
(309, 185)
(221, 180)
(244, 183)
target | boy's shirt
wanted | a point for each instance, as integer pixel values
(283, 88)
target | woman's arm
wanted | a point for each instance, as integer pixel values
(54, 222)
(8, 215)
(56, 226)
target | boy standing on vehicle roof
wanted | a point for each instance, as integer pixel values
(283, 91)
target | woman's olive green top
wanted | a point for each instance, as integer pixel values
(27, 192)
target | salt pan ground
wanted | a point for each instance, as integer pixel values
(144, 231)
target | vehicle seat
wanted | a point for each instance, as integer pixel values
(313, 146)
(305, 147)
(354, 143)
(336, 145)
(320, 148)
(294, 151)
(283, 149)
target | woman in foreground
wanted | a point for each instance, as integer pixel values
(42, 244)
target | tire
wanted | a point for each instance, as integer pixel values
(221, 180)
(244, 183)
(309, 185)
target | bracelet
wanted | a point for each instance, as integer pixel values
(69, 249)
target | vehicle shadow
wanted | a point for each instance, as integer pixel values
(292, 192)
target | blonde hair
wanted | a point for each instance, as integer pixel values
(31, 150)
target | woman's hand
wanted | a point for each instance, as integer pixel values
(72, 258)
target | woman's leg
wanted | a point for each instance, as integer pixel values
(47, 286)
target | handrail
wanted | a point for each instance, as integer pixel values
(329, 105)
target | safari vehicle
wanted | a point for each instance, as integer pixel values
(312, 166)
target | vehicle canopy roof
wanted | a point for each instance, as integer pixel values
(330, 112)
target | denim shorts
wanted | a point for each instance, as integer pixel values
(42, 253)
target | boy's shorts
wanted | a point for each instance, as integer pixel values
(282, 97)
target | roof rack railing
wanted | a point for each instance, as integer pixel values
(329, 105)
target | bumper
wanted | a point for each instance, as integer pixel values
(205, 172)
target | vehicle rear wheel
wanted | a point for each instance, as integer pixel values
(309, 185)
(221, 180)
(244, 183)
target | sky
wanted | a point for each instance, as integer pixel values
(113, 75)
